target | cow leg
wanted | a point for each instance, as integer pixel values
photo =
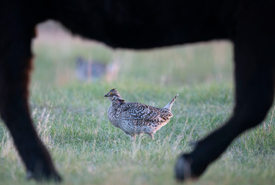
(254, 80)
(15, 65)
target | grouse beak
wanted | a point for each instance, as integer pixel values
(106, 95)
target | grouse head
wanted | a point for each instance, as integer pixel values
(114, 95)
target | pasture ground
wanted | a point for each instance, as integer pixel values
(71, 116)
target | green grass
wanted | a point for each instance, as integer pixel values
(71, 117)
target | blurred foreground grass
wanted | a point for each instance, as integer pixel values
(71, 117)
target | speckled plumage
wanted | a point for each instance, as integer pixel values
(136, 118)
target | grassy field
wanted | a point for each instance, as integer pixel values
(71, 119)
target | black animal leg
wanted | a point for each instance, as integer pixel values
(15, 66)
(254, 79)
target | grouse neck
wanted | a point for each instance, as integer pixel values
(117, 100)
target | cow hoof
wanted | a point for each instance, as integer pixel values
(186, 169)
(182, 169)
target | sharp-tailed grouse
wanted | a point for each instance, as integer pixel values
(136, 118)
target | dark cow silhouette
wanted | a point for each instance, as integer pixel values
(141, 24)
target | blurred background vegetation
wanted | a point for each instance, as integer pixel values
(56, 51)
